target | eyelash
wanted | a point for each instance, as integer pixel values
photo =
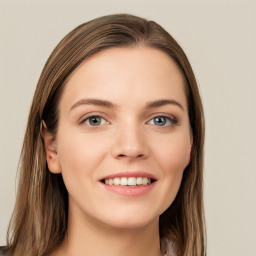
(170, 119)
(87, 118)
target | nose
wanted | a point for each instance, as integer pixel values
(130, 143)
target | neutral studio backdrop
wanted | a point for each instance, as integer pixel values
(219, 38)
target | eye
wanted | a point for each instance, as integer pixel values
(95, 121)
(162, 121)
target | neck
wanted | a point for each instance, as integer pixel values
(93, 238)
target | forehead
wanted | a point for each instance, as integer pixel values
(122, 74)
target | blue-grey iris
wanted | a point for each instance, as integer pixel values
(160, 120)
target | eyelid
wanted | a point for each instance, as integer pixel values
(171, 117)
(91, 114)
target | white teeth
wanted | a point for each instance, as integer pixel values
(130, 181)
(145, 181)
(139, 181)
(124, 181)
(117, 181)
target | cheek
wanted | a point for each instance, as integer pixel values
(174, 155)
(172, 158)
(78, 151)
(79, 157)
(175, 158)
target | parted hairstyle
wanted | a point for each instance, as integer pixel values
(39, 221)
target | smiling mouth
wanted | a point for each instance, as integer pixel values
(128, 181)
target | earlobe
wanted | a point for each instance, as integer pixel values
(50, 149)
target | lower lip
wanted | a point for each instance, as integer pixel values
(130, 190)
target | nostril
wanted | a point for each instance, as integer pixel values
(123, 151)
(138, 156)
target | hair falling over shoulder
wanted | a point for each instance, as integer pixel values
(39, 221)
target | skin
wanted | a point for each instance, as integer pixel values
(127, 139)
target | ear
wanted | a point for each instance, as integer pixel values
(50, 149)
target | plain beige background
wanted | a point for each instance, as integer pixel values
(219, 38)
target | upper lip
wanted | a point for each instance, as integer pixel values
(130, 174)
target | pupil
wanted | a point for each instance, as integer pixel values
(160, 120)
(95, 120)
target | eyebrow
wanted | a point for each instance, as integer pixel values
(107, 104)
(97, 102)
(160, 103)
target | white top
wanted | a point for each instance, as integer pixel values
(169, 249)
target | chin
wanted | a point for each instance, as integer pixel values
(130, 221)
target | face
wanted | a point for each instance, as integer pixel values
(123, 139)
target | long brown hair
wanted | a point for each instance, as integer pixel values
(39, 221)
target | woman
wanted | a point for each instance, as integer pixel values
(112, 160)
